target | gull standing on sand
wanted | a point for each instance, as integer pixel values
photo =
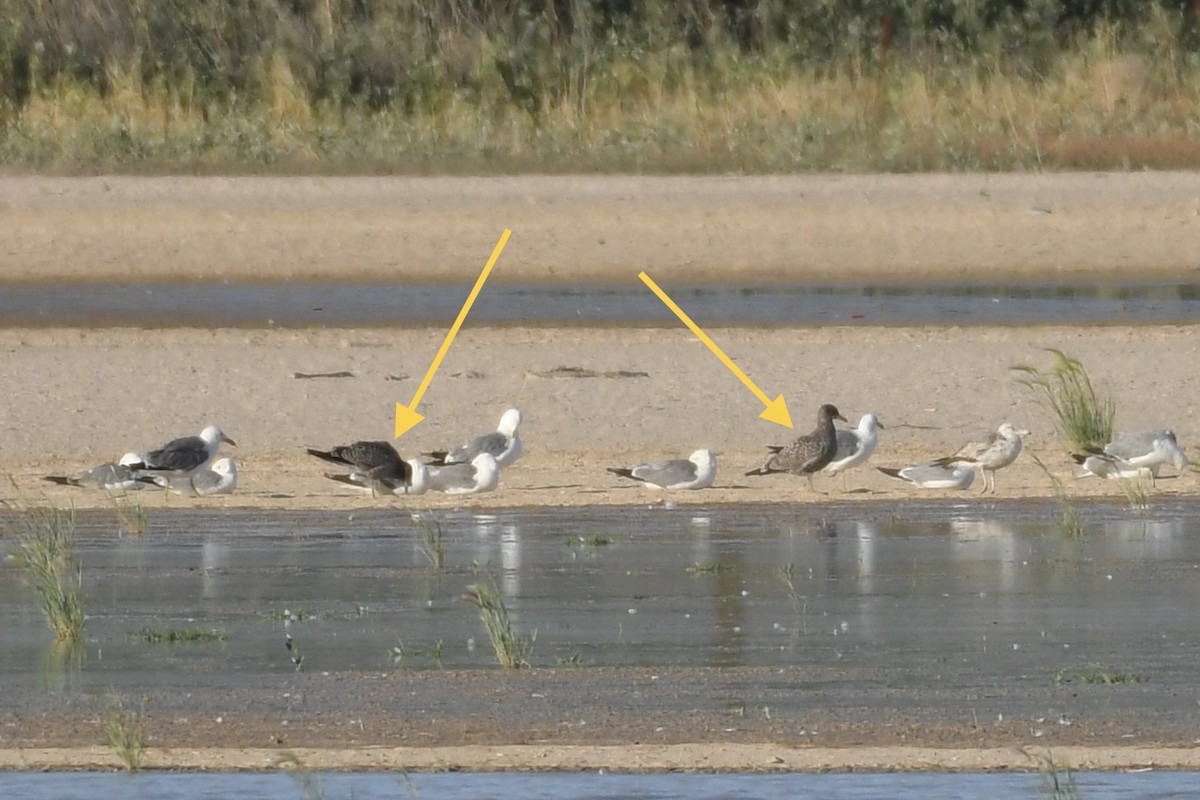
(1148, 450)
(698, 471)
(373, 465)
(481, 475)
(417, 481)
(995, 452)
(116, 477)
(931, 475)
(503, 444)
(185, 454)
(220, 478)
(807, 454)
(855, 446)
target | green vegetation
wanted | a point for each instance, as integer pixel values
(433, 543)
(690, 86)
(45, 543)
(512, 649)
(1071, 523)
(1084, 419)
(709, 568)
(1097, 674)
(132, 517)
(401, 651)
(125, 732)
(172, 636)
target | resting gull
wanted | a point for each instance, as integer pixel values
(931, 475)
(367, 460)
(503, 444)
(695, 472)
(855, 446)
(481, 475)
(115, 477)
(1145, 449)
(1113, 468)
(995, 452)
(807, 454)
(417, 481)
(185, 454)
(220, 478)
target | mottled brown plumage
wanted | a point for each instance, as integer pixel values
(807, 454)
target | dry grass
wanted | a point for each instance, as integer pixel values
(476, 93)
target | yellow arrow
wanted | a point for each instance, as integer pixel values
(776, 410)
(406, 416)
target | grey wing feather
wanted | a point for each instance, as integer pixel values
(491, 443)
(666, 473)
(848, 443)
(1132, 445)
(178, 455)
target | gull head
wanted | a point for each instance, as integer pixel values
(1010, 431)
(1168, 446)
(129, 459)
(830, 411)
(214, 435)
(418, 476)
(510, 422)
(869, 424)
(705, 459)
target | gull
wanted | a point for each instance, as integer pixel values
(220, 478)
(855, 446)
(185, 454)
(932, 475)
(481, 475)
(369, 462)
(503, 444)
(113, 477)
(808, 453)
(1113, 468)
(697, 471)
(995, 452)
(1145, 449)
(417, 481)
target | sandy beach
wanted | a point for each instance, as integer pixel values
(75, 398)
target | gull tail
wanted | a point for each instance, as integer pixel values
(325, 455)
(765, 469)
(1078, 458)
(623, 472)
(891, 473)
(437, 458)
(61, 480)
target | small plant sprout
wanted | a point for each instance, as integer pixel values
(433, 543)
(125, 732)
(45, 544)
(402, 651)
(1070, 521)
(512, 649)
(1082, 417)
(132, 517)
(709, 568)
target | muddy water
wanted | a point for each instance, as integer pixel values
(349, 304)
(940, 598)
(1153, 786)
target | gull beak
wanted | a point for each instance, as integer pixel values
(227, 440)
(843, 419)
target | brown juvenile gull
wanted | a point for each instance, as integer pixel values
(807, 454)
(995, 452)
(369, 462)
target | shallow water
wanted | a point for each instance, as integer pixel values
(350, 304)
(999, 592)
(465, 786)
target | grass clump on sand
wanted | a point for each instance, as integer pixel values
(1082, 417)
(45, 548)
(512, 649)
(125, 732)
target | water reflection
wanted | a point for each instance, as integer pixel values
(342, 304)
(756, 585)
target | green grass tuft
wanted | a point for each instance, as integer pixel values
(173, 635)
(45, 537)
(1070, 521)
(125, 732)
(433, 543)
(512, 649)
(1084, 419)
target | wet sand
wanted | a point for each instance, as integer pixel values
(75, 398)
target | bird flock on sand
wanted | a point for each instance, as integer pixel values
(190, 465)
